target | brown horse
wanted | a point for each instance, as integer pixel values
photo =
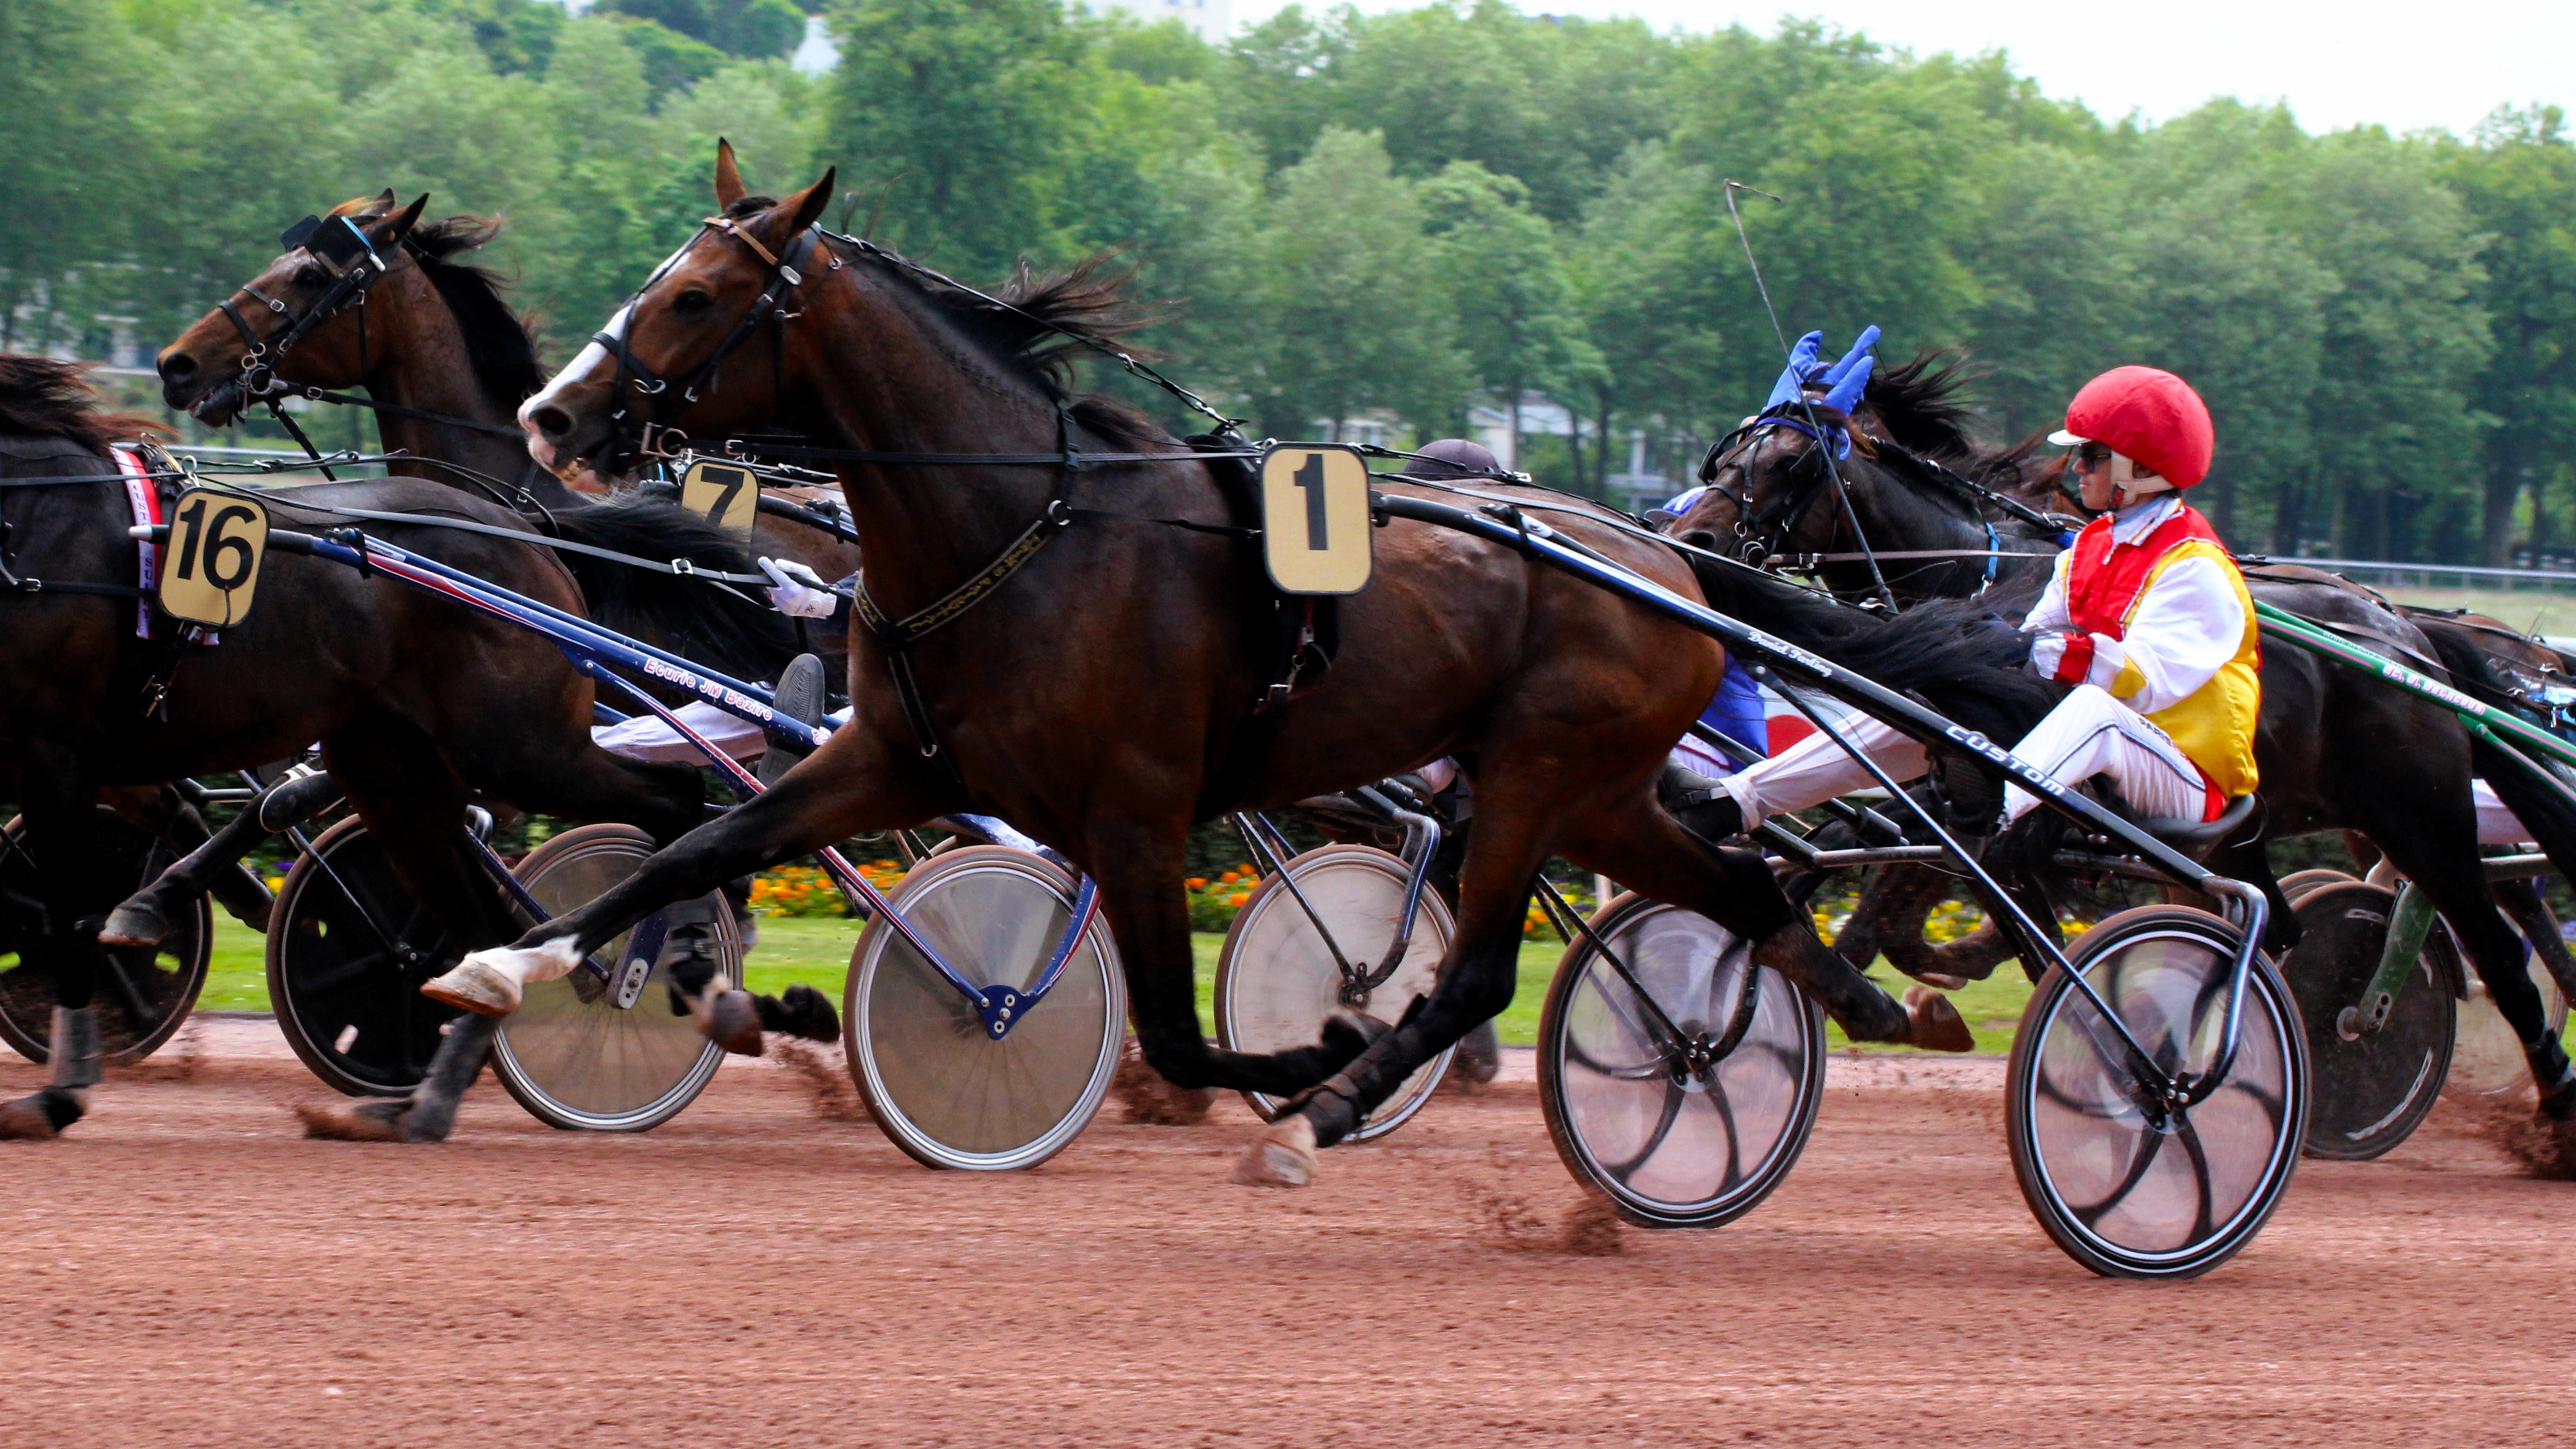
(417, 703)
(1100, 695)
(2337, 750)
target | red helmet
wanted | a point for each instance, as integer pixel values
(2148, 414)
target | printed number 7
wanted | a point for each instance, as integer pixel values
(1310, 479)
(724, 501)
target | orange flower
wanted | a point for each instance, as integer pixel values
(1195, 883)
(1238, 898)
(1230, 877)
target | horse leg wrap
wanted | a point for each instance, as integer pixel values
(432, 1112)
(73, 1047)
(690, 953)
(801, 1011)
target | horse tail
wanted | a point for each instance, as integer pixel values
(1958, 653)
(2542, 806)
(719, 625)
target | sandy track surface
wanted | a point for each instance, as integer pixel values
(186, 1269)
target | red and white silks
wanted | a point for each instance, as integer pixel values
(143, 492)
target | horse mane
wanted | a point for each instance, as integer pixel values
(1049, 320)
(43, 397)
(497, 344)
(1918, 403)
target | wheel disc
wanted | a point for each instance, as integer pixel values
(2486, 1057)
(569, 1054)
(1675, 1142)
(2149, 1193)
(934, 1078)
(143, 995)
(1277, 979)
(347, 951)
(2371, 1089)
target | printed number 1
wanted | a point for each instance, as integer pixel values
(1310, 478)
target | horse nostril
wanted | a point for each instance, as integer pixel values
(552, 421)
(177, 367)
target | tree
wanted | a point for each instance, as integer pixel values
(69, 183)
(1354, 313)
(1515, 309)
(2517, 176)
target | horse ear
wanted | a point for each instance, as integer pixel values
(392, 232)
(368, 210)
(806, 207)
(728, 177)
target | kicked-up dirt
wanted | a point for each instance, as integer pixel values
(186, 1269)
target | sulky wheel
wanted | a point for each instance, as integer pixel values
(144, 993)
(2486, 1057)
(348, 948)
(2131, 1185)
(570, 1054)
(2296, 885)
(1276, 979)
(936, 1080)
(1686, 1125)
(2371, 1088)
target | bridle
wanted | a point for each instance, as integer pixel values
(353, 264)
(665, 397)
(1766, 531)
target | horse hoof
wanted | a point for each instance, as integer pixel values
(133, 925)
(41, 1117)
(801, 1011)
(372, 1122)
(478, 985)
(731, 1019)
(1937, 1024)
(1282, 1155)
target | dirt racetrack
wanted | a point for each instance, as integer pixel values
(186, 1269)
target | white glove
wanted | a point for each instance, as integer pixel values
(798, 591)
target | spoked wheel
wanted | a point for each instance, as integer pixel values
(2135, 1187)
(2372, 1089)
(1686, 1132)
(1276, 978)
(347, 951)
(570, 1054)
(935, 1078)
(145, 992)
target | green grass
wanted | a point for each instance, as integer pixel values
(2540, 613)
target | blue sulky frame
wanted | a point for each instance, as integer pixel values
(608, 658)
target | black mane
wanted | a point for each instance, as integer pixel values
(497, 344)
(1052, 320)
(41, 397)
(1918, 404)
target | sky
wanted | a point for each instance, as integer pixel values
(2402, 65)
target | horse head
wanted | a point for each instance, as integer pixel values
(298, 320)
(660, 363)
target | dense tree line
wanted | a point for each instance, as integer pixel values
(1351, 216)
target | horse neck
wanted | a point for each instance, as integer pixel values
(418, 358)
(1895, 517)
(883, 371)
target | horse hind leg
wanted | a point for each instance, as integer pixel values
(62, 830)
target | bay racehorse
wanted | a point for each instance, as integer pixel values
(1099, 693)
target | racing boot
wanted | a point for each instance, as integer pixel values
(72, 1049)
(800, 697)
(1704, 807)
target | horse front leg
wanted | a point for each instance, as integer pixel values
(856, 783)
(62, 830)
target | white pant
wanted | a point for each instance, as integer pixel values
(2496, 824)
(645, 737)
(2088, 734)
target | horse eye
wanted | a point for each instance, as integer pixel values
(308, 275)
(692, 302)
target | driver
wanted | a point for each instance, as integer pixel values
(2146, 616)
